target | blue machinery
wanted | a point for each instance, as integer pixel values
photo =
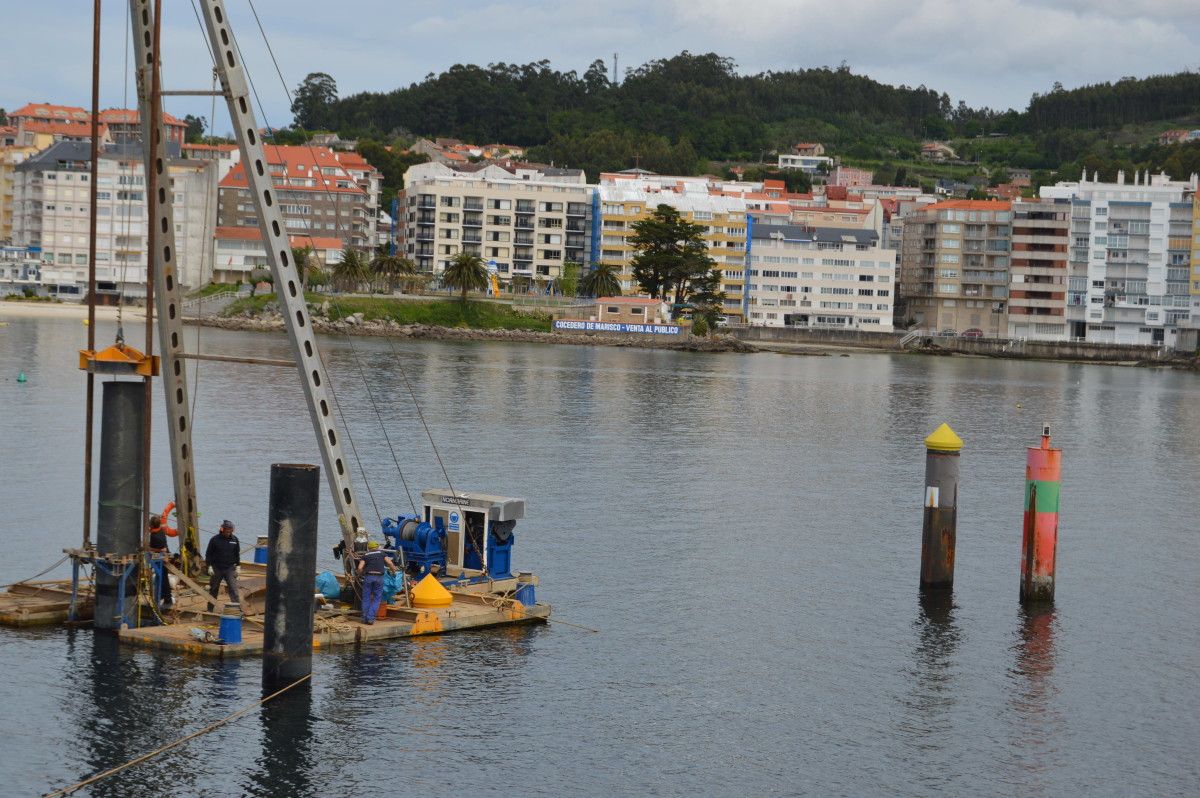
(465, 535)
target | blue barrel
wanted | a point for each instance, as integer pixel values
(260, 550)
(525, 594)
(230, 630)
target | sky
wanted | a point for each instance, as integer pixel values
(994, 53)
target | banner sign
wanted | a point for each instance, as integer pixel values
(573, 325)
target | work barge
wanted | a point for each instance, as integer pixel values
(452, 557)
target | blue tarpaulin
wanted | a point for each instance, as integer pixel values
(327, 585)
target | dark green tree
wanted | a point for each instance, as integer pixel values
(351, 271)
(196, 125)
(671, 254)
(602, 280)
(392, 269)
(466, 272)
(313, 101)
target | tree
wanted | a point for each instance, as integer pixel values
(391, 269)
(603, 280)
(306, 261)
(671, 255)
(351, 271)
(313, 101)
(467, 272)
(3, 117)
(196, 125)
(568, 281)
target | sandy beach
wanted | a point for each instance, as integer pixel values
(24, 310)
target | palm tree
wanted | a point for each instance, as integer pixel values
(466, 272)
(351, 271)
(602, 280)
(391, 269)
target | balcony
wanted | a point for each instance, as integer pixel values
(524, 223)
(576, 209)
(575, 226)
(427, 201)
(523, 238)
(472, 239)
(471, 220)
(472, 206)
(525, 206)
(425, 234)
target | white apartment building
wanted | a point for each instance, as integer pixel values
(524, 224)
(819, 278)
(806, 163)
(1129, 257)
(52, 202)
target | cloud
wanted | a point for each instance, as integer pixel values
(993, 52)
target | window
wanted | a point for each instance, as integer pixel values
(638, 311)
(613, 309)
(450, 202)
(500, 204)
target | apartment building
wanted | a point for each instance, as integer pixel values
(1130, 254)
(818, 278)
(851, 177)
(954, 267)
(10, 157)
(239, 251)
(125, 125)
(525, 220)
(318, 195)
(1037, 291)
(52, 202)
(1195, 279)
(623, 204)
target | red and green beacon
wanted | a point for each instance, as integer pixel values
(1043, 478)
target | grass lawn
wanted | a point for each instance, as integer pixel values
(435, 312)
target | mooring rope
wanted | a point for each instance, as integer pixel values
(176, 743)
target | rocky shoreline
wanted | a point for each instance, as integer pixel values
(272, 321)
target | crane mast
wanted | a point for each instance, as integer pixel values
(161, 257)
(288, 283)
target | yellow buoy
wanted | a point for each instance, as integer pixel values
(430, 593)
(85, 322)
(943, 439)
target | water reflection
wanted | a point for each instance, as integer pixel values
(285, 764)
(1032, 690)
(934, 653)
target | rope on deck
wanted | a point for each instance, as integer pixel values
(59, 562)
(176, 743)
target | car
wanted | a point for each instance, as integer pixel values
(948, 333)
(722, 321)
(972, 333)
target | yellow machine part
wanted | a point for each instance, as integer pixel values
(430, 593)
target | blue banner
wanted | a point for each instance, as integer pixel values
(573, 325)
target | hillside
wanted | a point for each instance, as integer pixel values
(678, 114)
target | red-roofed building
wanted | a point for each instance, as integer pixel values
(125, 124)
(239, 250)
(317, 194)
(809, 148)
(226, 155)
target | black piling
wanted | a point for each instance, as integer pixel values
(291, 575)
(119, 514)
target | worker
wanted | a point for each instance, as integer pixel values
(158, 545)
(371, 565)
(223, 556)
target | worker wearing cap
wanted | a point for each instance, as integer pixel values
(158, 545)
(372, 565)
(223, 555)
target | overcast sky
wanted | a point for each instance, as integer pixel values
(986, 52)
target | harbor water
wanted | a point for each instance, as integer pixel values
(742, 530)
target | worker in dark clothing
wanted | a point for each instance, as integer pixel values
(372, 565)
(223, 555)
(158, 545)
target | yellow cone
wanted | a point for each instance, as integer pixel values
(430, 593)
(944, 439)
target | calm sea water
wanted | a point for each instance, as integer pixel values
(743, 531)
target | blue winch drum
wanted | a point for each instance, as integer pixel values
(230, 630)
(260, 551)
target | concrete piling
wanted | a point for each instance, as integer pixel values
(291, 575)
(938, 529)
(119, 514)
(1039, 539)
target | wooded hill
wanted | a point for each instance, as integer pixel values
(677, 114)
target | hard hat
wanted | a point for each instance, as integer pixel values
(372, 545)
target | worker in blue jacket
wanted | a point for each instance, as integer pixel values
(371, 566)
